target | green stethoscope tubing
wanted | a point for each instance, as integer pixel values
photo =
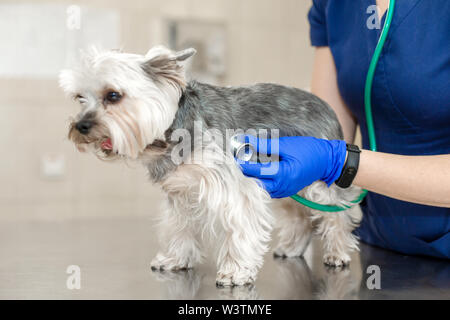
(368, 111)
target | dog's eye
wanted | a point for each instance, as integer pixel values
(112, 97)
(82, 100)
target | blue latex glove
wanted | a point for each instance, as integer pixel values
(302, 160)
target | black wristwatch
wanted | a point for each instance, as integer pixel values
(350, 167)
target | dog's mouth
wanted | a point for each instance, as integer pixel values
(106, 145)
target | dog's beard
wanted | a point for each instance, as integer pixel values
(98, 141)
(115, 135)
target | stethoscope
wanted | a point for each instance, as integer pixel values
(244, 151)
(368, 111)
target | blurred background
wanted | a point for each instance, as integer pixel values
(42, 176)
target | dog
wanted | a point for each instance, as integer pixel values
(134, 107)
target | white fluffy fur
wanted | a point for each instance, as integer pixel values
(153, 105)
(210, 199)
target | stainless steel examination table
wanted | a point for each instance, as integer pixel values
(113, 256)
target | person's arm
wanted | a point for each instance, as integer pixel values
(424, 180)
(303, 160)
(324, 85)
(419, 179)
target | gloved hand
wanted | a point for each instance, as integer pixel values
(302, 160)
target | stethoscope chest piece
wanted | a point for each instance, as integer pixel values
(240, 149)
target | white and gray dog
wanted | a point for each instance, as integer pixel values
(133, 107)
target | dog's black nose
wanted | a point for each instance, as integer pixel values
(84, 126)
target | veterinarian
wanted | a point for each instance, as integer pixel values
(408, 206)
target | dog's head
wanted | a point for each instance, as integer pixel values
(127, 101)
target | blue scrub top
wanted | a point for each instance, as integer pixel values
(411, 104)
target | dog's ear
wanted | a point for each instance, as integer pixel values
(161, 51)
(162, 63)
(184, 54)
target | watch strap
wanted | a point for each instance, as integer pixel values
(350, 167)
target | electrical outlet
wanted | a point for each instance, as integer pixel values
(53, 166)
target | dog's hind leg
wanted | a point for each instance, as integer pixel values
(335, 230)
(294, 228)
(178, 239)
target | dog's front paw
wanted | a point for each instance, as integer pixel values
(336, 260)
(161, 263)
(236, 278)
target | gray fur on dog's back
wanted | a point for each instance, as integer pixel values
(292, 111)
(262, 106)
